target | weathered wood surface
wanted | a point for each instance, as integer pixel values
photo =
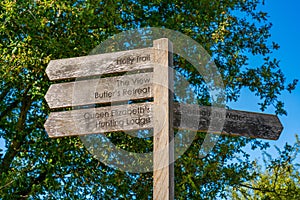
(163, 133)
(188, 117)
(239, 123)
(97, 65)
(102, 90)
(99, 120)
(161, 115)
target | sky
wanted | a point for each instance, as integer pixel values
(285, 31)
(285, 18)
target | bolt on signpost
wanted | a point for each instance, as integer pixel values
(151, 77)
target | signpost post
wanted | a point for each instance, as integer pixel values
(163, 133)
(150, 77)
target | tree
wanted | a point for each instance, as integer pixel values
(280, 179)
(34, 32)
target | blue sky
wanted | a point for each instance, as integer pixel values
(286, 29)
(285, 18)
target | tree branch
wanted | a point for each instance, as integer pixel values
(16, 144)
(4, 93)
(8, 109)
(7, 184)
(256, 188)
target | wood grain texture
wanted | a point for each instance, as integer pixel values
(102, 90)
(99, 120)
(186, 117)
(163, 156)
(100, 64)
(238, 123)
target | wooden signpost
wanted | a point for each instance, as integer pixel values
(150, 77)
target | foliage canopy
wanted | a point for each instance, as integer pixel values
(279, 180)
(34, 32)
